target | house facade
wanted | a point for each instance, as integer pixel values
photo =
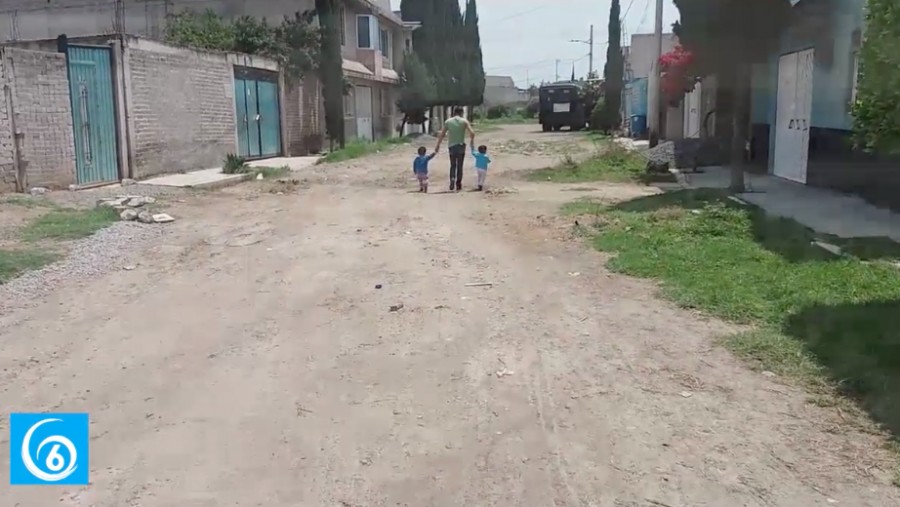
(373, 38)
(681, 121)
(801, 104)
(502, 91)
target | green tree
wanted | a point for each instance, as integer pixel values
(294, 43)
(416, 91)
(475, 61)
(726, 38)
(442, 46)
(613, 72)
(331, 71)
(206, 30)
(877, 109)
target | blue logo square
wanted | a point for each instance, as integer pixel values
(48, 449)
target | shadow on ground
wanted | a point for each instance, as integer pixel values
(859, 346)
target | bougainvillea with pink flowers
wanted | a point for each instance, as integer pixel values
(678, 76)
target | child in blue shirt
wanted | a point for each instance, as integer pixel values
(420, 168)
(482, 161)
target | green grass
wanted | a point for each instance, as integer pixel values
(504, 120)
(272, 172)
(830, 322)
(359, 148)
(610, 162)
(67, 224)
(28, 201)
(15, 262)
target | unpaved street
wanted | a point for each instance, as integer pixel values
(250, 360)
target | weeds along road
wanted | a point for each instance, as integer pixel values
(250, 360)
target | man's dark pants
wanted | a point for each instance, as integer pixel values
(457, 158)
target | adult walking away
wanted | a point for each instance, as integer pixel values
(456, 127)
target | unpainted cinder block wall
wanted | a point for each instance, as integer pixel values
(38, 87)
(303, 116)
(181, 109)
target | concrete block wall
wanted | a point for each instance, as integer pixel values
(7, 167)
(181, 108)
(38, 86)
(302, 117)
(43, 112)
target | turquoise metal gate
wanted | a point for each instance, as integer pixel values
(258, 114)
(93, 114)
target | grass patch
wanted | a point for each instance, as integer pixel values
(830, 322)
(504, 120)
(15, 262)
(610, 162)
(272, 172)
(28, 202)
(67, 224)
(359, 148)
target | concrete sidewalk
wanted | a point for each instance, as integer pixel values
(215, 178)
(820, 209)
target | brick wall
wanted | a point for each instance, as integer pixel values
(39, 86)
(303, 117)
(7, 170)
(181, 108)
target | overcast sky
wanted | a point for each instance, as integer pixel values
(523, 38)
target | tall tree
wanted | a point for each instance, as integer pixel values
(726, 37)
(331, 72)
(877, 109)
(613, 71)
(416, 91)
(440, 44)
(476, 77)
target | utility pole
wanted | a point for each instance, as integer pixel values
(653, 85)
(589, 42)
(557, 70)
(591, 53)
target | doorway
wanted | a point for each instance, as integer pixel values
(793, 115)
(258, 113)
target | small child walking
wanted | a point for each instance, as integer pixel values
(420, 168)
(482, 161)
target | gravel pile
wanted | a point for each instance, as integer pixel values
(87, 259)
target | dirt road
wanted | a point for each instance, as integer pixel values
(250, 360)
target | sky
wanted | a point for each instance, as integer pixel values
(523, 38)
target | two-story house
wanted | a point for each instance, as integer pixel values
(373, 40)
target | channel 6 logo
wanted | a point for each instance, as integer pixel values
(48, 449)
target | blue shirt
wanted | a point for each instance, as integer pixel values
(420, 164)
(482, 160)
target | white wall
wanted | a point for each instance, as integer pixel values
(640, 54)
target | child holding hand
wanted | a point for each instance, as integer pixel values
(482, 161)
(420, 168)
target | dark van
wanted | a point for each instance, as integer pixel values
(561, 106)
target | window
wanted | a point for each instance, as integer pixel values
(343, 21)
(367, 32)
(408, 44)
(349, 105)
(386, 105)
(386, 45)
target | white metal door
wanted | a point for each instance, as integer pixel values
(692, 102)
(363, 96)
(805, 65)
(785, 144)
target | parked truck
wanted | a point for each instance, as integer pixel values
(561, 105)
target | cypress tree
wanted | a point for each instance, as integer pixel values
(331, 71)
(476, 79)
(613, 71)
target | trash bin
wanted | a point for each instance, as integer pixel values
(638, 126)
